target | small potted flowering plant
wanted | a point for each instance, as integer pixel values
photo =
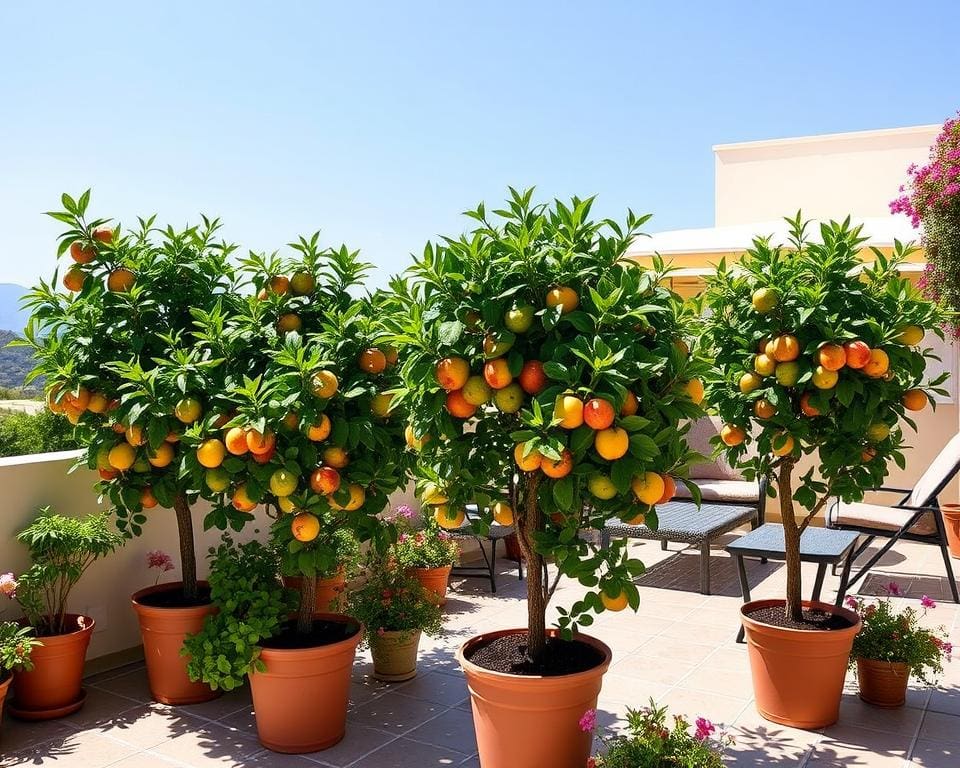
(16, 642)
(894, 645)
(428, 553)
(650, 743)
(395, 610)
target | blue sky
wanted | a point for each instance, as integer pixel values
(379, 122)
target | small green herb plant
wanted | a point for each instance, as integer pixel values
(251, 607)
(391, 601)
(16, 645)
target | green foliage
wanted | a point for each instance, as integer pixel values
(427, 547)
(61, 549)
(391, 601)
(887, 635)
(337, 549)
(16, 644)
(22, 434)
(251, 607)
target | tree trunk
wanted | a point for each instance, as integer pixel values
(530, 520)
(791, 541)
(308, 599)
(188, 553)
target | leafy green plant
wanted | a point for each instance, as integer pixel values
(16, 645)
(61, 549)
(887, 635)
(391, 601)
(23, 434)
(427, 546)
(251, 607)
(548, 374)
(817, 353)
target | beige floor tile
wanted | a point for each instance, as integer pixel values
(100, 705)
(148, 725)
(713, 706)
(671, 648)
(357, 742)
(712, 635)
(75, 750)
(854, 712)
(935, 754)
(209, 745)
(436, 687)
(709, 679)
(19, 734)
(946, 700)
(631, 691)
(133, 685)
(396, 713)
(146, 760)
(405, 753)
(652, 670)
(222, 706)
(453, 729)
(940, 727)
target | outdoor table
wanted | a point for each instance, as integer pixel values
(823, 546)
(495, 534)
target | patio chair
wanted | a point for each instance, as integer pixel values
(916, 517)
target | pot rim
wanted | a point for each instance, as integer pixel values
(88, 623)
(759, 626)
(475, 669)
(429, 567)
(342, 618)
(167, 586)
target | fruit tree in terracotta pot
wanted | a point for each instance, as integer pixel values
(816, 355)
(546, 377)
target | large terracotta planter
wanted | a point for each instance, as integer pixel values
(163, 630)
(883, 683)
(331, 591)
(798, 674)
(433, 580)
(394, 655)
(300, 700)
(4, 685)
(53, 687)
(951, 522)
(530, 721)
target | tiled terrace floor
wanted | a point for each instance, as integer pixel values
(679, 650)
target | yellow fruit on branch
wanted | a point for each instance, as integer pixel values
(211, 453)
(612, 443)
(782, 444)
(648, 488)
(122, 456)
(529, 462)
(503, 513)
(765, 299)
(305, 527)
(616, 602)
(324, 384)
(732, 435)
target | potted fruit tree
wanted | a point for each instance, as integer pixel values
(134, 352)
(816, 355)
(546, 377)
(331, 587)
(426, 551)
(61, 549)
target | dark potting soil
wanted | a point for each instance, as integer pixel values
(813, 621)
(561, 657)
(174, 598)
(323, 633)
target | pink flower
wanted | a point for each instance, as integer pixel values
(381, 632)
(893, 589)
(160, 560)
(705, 729)
(591, 763)
(927, 602)
(589, 720)
(851, 602)
(8, 585)
(406, 511)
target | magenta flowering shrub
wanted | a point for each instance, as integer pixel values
(426, 547)
(931, 197)
(160, 560)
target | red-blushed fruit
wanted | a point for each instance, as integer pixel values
(764, 409)
(497, 373)
(914, 400)
(868, 454)
(877, 365)
(732, 435)
(630, 405)
(108, 474)
(669, 489)
(808, 410)
(103, 234)
(324, 480)
(458, 406)
(372, 361)
(783, 348)
(121, 280)
(279, 285)
(857, 354)
(260, 442)
(74, 278)
(147, 499)
(452, 373)
(264, 458)
(598, 413)
(557, 469)
(289, 322)
(832, 357)
(532, 377)
(82, 254)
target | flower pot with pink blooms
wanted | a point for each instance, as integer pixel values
(895, 645)
(16, 643)
(426, 551)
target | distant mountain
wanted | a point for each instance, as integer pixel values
(15, 362)
(12, 318)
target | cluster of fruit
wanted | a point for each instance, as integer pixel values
(119, 279)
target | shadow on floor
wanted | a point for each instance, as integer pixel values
(681, 571)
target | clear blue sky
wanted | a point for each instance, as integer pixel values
(379, 122)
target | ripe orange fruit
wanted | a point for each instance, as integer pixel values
(324, 480)
(476, 391)
(116, 426)
(263, 294)
(782, 444)
(241, 499)
(188, 410)
(98, 403)
(732, 435)
(832, 357)
(79, 399)
(321, 430)
(868, 454)
(648, 488)
(134, 435)
(162, 456)
(452, 373)
(528, 463)
(260, 442)
(914, 400)
(414, 442)
(302, 283)
(265, 457)
(783, 348)
(615, 602)
(211, 453)
(877, 365)
(82, 254)
(74, 279)
(503, 513)
(357, 497)
(764, 365)
(856, 353)
(381, 404)
(305, 527)
(497, 373)
(808, 410)
(764, 409)
(147, 499)
(372, 361)
(669, 489)
(911, 335)
(279, 285)
(557, 469)
(122, 456)
(459, 407)
(612, 443)
(121, 280)
(569, 409)
(103, 234)
(749, 382)
(694, 390)
(598, 413)
(324, 384)
(532, 378)
(108, 474)
(448, 518)
(824, 379)
(630, 405)
(682, 347)
(564, 297)
(638, 519)
(335, 457)
(288, 322)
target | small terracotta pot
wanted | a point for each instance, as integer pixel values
(394, 655)
(4, 684)
(331, 591)
(798, 674)
(300, 700)
(512, 544)
(433, 580)
(883, 683)
(951, 522)
(53, 687)
(163, 631)
(531, 721)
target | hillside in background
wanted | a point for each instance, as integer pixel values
(12, 318)
(15, 362)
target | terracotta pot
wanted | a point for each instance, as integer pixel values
(798, 674)
(512, 544)
(163, 630)
(4, 684)
(53, 687)
(331, 591)
(883, 683)
(433, 580)
(531, 721)
(951, 521)
(394, 655)
(300, 700)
